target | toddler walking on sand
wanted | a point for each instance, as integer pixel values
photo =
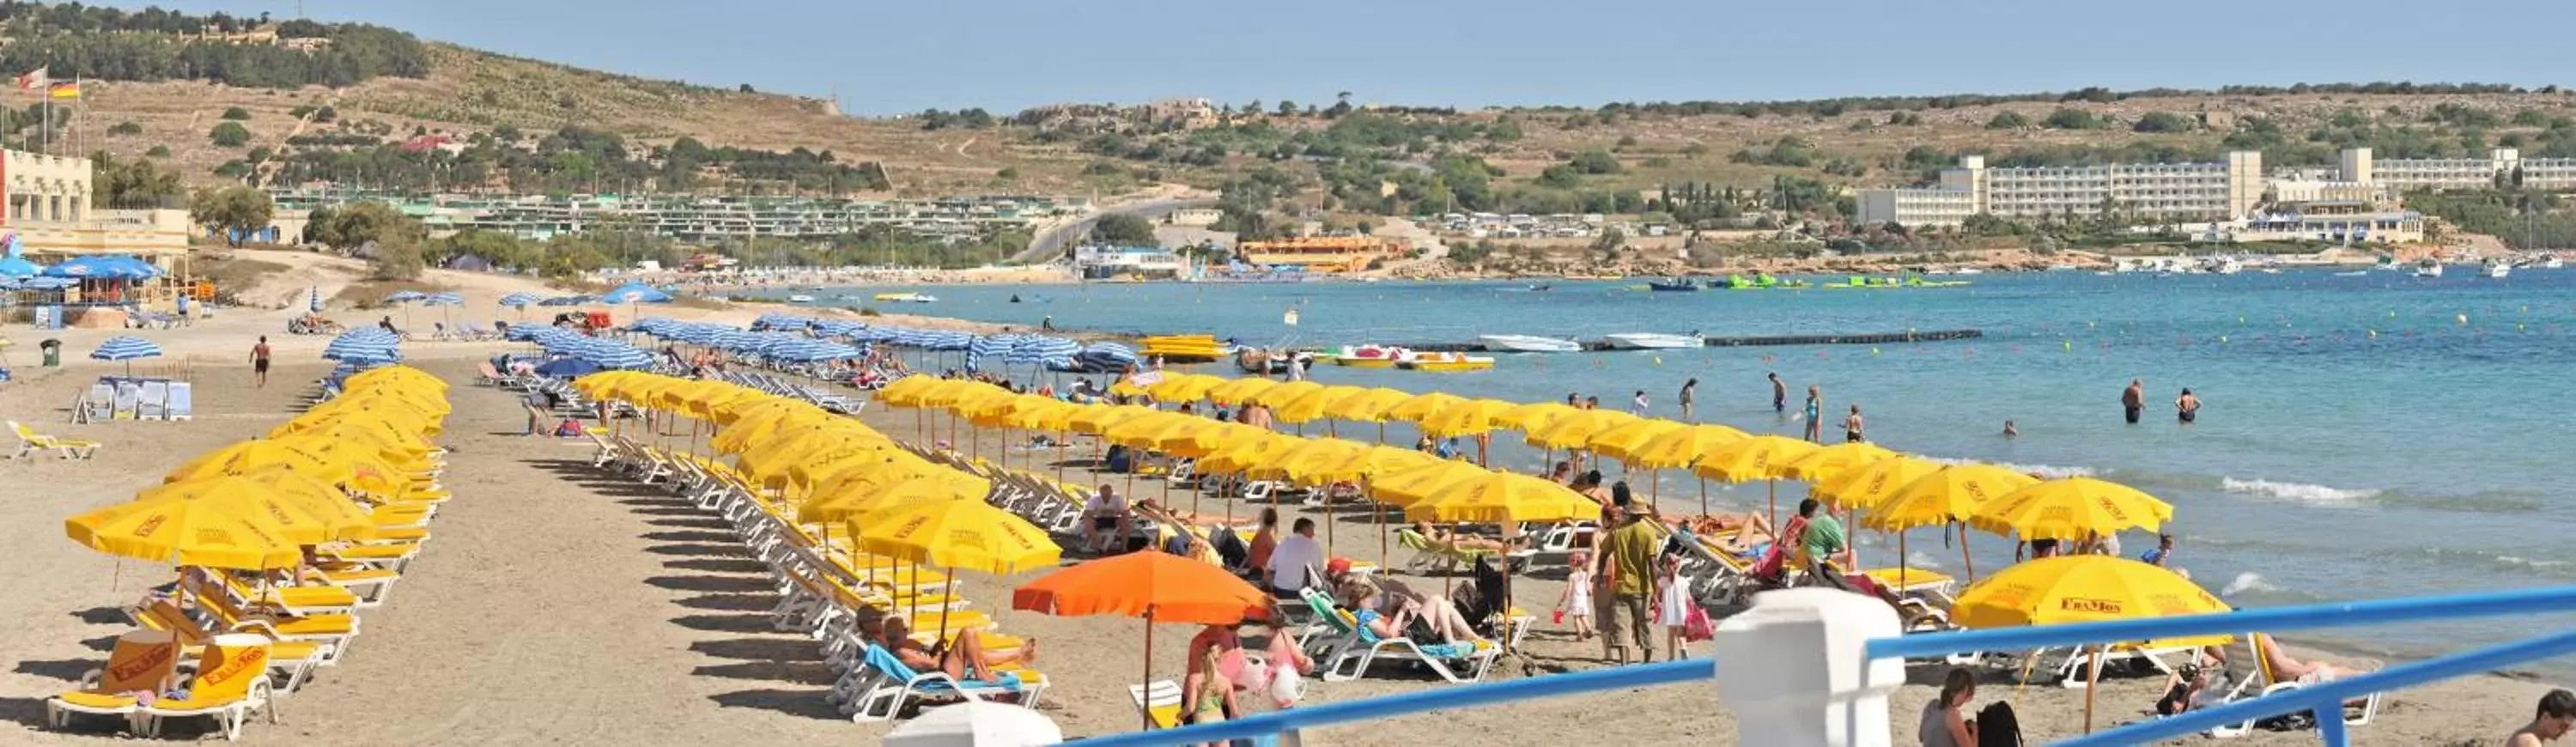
(1575, 605)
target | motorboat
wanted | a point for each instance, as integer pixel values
(1969, 271)
(1673, 285)
(1652, 341)
(1263, 362)
(800, 298)
(2498, 269)
(1444, 362)
(1368, 356)
(2429, 268)
(906, 297)
(1529, 344)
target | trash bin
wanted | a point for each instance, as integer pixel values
(53, 353)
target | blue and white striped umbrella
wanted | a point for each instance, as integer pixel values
(620, 357)
(519, 300)
(442, 299)
(125, 348)
(635, 292)
(364, 345)
(565, 301)
(315, 305)
(405, 297)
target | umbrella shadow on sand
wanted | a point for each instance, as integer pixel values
(794, 702)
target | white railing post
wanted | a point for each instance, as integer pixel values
(1797, 671)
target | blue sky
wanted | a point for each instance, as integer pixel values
(893, 57)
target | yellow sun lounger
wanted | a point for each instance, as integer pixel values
(30, 442)
(230, 686)
(294, 600)
(295, 660)
(144, 660)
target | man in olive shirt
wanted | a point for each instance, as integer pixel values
(1626, 567)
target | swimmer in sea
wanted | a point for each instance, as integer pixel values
(2011, 430)
(2187, 406)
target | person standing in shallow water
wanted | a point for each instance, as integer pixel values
(2134, 401)
(2187, 406)
(1689, 389)
(1779, 394)
(1815, 414)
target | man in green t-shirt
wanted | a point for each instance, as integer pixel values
(1626, 568)
(1824, 540)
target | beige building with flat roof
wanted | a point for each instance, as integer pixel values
(2502, 166)
(2228, 189)
(49, 209)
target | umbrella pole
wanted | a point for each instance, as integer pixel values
(1775, 502)
(1902, 558)
(1703, 496)
(943, 625)
(2092, 682)
(1142, 706)
(1377, 519)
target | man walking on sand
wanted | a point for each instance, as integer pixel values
(2134, 401)
(259, 362)
(1626, 568)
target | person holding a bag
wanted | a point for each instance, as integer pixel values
(1674, 606)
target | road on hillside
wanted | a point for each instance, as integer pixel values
(1049, 246)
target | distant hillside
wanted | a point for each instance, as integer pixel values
(469, 118)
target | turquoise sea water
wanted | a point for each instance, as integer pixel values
(2328, 463)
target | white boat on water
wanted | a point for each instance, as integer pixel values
(800, 298)
(907, 297)
(2498, 269)
(2430, 268)
(1652, 341)
(1529, 344)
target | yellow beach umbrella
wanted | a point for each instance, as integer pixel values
(1420, 407)
(1047, 414)
(1624, 441)
(1128, 388)
(859, 484)
(1096, 420)
(738, 410)
(1466, 418)
(1181, 387)
(2072, 509)
(1315, 404)
(2085, 588)
(1143, 431)
(178, 531)
(939, 487)
(1826, 462)
(295, 452)
(908, 391)
(1249, 454)
(972, 535)
(1239, 391)
(1503, 497)
(1756, 458)
(1534, 415)
(397, 375)
(755, 427)
(1368, 405)
(1573, 431)
(821, 466)
(1199, 442)
(1865, 487)
(1279, 396)
(301, 511)
(1682, 448)
(1942, 498)
(1420, 483)
(1320, 461)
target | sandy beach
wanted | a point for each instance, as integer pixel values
(555, 605)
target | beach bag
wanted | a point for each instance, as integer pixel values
(1997, 727)
(1696, 626)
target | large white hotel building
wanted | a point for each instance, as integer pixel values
(2227, 190)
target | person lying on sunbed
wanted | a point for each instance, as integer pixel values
(1741, 534)
(962, 656)
(1393, 616)
(2287, 669)
(1462, 540)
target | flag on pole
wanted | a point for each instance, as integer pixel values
(69, 90)
(33, 80)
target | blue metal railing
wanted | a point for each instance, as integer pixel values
(2326, 698)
